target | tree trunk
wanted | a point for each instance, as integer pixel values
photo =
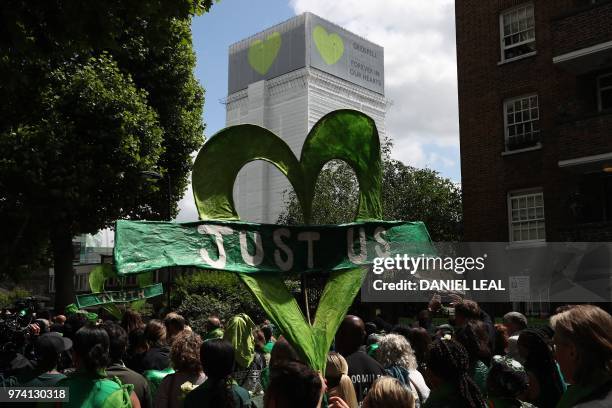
(61, 242)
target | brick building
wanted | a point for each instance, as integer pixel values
(535, 113)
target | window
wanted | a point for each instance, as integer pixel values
(52, 284)
(604, 92)
(517, 29)
(522, 122)
(526, 216)
(81, 282)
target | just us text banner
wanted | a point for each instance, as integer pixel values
(142, 246)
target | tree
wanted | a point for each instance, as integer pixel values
(200, 294)
(94, 93)
(408, 194)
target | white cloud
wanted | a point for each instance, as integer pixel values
(420, 70)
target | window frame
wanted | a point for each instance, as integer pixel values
(518, 194)
(502, 35)
(600, 90)
(512, 100)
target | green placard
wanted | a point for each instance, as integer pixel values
(124, 296)
(254, 248)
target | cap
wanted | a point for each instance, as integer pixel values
(51, 343)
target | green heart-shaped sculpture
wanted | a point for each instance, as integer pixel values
(330, 46)
(346, 135)
(263, 53)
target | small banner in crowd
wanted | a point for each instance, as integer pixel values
(251, 248)
(124, 296)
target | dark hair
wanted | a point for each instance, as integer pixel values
(218, 361)
(294, 385)
(474, 337)
(118, 340)
(136, 339)
(91, 345)
(217, 358)
(403, 330)
(370, 328)
(501, 339)
(260, 340)
(175, 321)
(131, 321)
(449, 361)
(420, 340)
(267, 331)
(155, 333)
(541, 362)
(282, 353)
(468, 309)
(73, 323)
(506, 378)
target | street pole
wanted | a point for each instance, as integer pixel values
(156, 175)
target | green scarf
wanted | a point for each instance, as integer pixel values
(239, 332)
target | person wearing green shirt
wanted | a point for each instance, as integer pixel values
(213, 329)
(88, 386)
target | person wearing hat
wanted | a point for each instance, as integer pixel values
(48, 349)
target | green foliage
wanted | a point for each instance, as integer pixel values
(93, 94)
(409, 194)
(200, 294)
(8, 299)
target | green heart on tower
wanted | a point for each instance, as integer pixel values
(330, 46)
(263, 53)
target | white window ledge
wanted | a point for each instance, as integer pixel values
(526, 149)
(525, 244)
(520, 57)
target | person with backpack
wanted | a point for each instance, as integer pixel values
(88, 386)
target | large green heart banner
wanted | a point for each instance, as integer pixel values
(262, 254)
(256, 248)
(124, 296)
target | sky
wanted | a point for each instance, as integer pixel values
(420, 68)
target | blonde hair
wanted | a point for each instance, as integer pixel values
(388, 392)
(589, 328)
(340, 385)
(394, 349)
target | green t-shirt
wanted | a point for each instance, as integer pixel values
(87, 390)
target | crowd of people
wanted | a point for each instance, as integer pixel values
(469, 362)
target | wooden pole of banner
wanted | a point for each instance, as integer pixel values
(304, 287)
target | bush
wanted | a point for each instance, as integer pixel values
(200, 294)
(8, 299)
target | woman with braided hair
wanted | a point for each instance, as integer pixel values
(448, 377)
(219, 390)
(545, 383)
